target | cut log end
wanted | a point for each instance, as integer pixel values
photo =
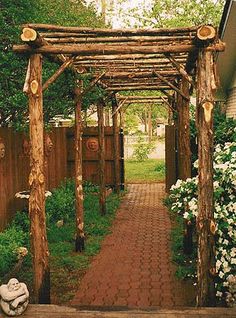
(206, 33)
(28, 34)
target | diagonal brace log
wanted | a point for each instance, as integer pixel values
(57, 73)
(180, 69)
(170, 85)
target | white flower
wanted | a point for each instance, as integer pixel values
(221, 274)
(219, 294)
(186, 215)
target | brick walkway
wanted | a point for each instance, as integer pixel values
(133, 268)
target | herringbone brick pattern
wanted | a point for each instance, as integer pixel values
(134, 266)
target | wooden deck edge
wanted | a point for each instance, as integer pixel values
(54, 311)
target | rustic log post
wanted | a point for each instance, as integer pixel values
(116, 145)
(205, 220)
(80, 236)
(101, 141)
(184, 153)
(38, 236)
(149, 123)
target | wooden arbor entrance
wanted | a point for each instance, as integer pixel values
(169, 60)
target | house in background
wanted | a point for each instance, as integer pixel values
(226, 61)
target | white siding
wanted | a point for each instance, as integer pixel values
(231, 103)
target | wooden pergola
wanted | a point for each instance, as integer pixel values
(172, 61)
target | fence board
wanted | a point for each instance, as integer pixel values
(59, 164)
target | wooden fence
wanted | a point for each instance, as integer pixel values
(59, 163)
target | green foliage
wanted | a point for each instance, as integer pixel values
(61, 205)
(142, 149)
(180, 13)
(59, 98)
(10, 240)
(66, 265)
(224, 129)
(186, 264)
(183, 201)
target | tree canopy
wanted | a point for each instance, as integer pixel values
(58, 99)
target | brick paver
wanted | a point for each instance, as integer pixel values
(134, 268)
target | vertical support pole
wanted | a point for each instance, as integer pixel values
(101, 141)
(150, 123)
(38, 236)
(116, 145)
(79, 209)
(184, 152)
(205, 219)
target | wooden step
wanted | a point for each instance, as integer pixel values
(54, 311)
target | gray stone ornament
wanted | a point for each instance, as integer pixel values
(14, 297)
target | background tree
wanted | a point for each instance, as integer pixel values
(58, 99)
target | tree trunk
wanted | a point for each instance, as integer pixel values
(116, 146)
(80, 236)
(38, 236)
(205, 220)
(101, 141)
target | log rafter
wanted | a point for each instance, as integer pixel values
(128, 56)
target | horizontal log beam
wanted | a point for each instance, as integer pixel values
(137, 88)
(85, 30)
(121, 57)
(92, 49)
(73, 38)
(118, 96)
(143, 101)
(132, 75)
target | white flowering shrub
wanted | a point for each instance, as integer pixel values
(183, 201)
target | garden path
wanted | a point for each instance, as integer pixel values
(133, 268)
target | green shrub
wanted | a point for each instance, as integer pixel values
(10, 240)
(61, 205)
(142, 149)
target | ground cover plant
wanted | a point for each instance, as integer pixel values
(67, 267)
(150, 170)
(182, 201)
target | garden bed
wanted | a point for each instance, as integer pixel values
(67, 267)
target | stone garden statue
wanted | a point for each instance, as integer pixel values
(14, 297)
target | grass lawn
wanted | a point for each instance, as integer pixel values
(150, 170)
(66, 267)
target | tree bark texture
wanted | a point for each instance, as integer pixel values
(183, 122)
(38, 235)
(205, 219)
(116, 145)
(80, 236)
(101, 141)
